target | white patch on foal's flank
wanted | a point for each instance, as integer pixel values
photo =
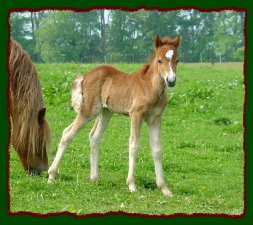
(77, 94)
(169, 54)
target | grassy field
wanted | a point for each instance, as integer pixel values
(202, 143)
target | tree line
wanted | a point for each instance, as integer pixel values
(108, 36)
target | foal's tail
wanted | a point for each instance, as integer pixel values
(77, 94)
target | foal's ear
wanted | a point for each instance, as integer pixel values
(41, 115)
(158, 41)
(176, 41)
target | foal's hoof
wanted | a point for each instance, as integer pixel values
(167, 193)
(50, 180)
(132, 188)
(51, 176)
(94, 178)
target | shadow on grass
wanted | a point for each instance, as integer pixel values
(64, 177)
(222, 121)
(147, 183)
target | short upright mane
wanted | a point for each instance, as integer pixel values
(144, 68)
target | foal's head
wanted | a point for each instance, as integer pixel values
(167, 58)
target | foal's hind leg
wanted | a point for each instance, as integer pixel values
(67, 136)
(95, 136)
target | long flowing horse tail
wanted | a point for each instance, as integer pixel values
(77, 99)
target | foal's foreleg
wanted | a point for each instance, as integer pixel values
(155, 145)
(95, 136)
(136, 121)
(67, 135)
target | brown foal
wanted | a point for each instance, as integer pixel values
(142, 96)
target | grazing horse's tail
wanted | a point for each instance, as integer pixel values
(77, 94)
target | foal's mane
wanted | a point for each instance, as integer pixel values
(26, 101)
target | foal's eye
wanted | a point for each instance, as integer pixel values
(177, 60)
(160, 61)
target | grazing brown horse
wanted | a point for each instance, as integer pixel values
(30, 131)
(142, 96)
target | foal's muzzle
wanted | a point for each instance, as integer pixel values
(171, 81)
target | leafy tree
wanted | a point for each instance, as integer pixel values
(228, 35)
(69, 36)
(35, 20)
(115, 35)
(19, 24)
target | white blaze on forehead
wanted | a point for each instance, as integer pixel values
(170, 76)
(169, 54)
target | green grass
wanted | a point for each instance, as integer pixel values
(202, 143)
